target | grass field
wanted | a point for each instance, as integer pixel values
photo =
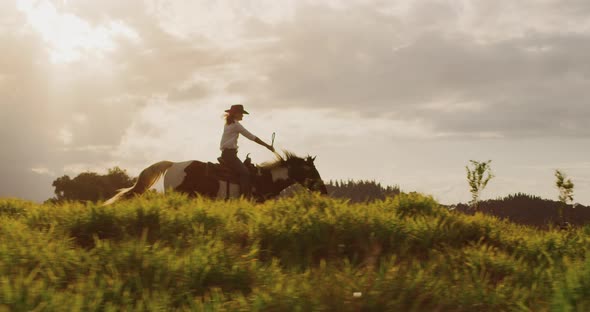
(305, 253)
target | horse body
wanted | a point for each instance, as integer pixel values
(175, 174)
(216, 181)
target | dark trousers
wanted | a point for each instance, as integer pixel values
(230, 157)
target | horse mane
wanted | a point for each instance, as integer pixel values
(280, 160)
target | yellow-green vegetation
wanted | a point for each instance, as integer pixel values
(305, 253)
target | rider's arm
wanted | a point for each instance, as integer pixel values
(259, 141)
(252, 137)
(245, 132)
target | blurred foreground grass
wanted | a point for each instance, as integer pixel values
(306, 253)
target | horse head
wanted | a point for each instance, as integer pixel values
(304, 172)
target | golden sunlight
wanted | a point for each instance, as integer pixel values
(68, 37)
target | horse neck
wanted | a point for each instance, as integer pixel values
(279, 181)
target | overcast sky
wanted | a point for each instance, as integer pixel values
(401, 92)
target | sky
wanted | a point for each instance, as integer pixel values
(402, 92)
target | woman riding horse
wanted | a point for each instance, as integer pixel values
(199, 178)
(229, 146)
(195, 177)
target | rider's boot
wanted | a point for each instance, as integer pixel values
(245, 187)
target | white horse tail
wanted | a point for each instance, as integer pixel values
(146, 179)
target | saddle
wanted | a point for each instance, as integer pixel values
(222, 172)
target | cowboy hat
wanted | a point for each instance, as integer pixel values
(238, 108)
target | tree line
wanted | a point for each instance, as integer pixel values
(93, 187)
(541, 212)
(531, 210)
(519, 207)
(361, 191)
(90, 186)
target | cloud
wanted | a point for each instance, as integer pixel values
(360, 59)
(432, 69)
(53, 115)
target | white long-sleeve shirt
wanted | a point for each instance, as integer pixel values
(229, 139)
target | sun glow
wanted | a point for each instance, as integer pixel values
(69, 37)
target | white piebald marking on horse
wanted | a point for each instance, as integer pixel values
(279, 173)
(234, 190)
(175, 175)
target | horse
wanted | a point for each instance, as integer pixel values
(214, 180)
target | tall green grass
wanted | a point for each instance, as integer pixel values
(304, 253)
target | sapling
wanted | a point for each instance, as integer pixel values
(566, 192)
(477, 179)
